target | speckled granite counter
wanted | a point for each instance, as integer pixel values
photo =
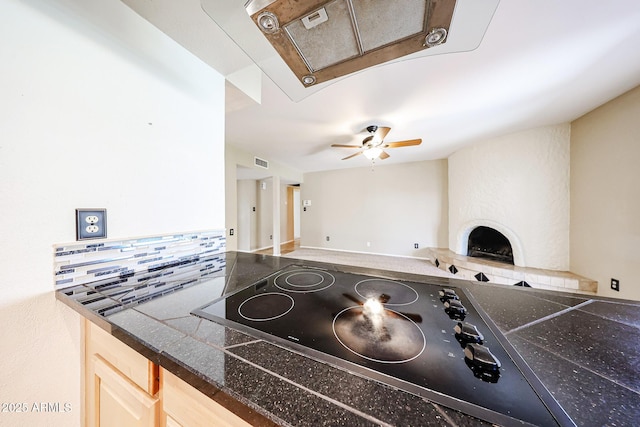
(584, 350)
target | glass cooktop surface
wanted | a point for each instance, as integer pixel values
(423, 338)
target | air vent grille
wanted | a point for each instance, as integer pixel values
(261, 163)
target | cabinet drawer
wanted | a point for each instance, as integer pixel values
(185, 406)
(122, 357)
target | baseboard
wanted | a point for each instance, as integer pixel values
(366, 253)
(261, 249)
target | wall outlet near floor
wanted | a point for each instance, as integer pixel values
(327, 238)
(615, 284)
(91, 224)
(415, 246)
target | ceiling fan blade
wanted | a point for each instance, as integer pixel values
(380, 133)
(353, 155)
(384, 155)
(346, 146)
(406, 143)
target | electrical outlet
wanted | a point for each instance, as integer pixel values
(415, 246)
(615, 284)
(327, 238)
(91, 224)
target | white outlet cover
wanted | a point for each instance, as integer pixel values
(91, 224)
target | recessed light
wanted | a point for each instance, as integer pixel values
(435, 37)
(268, 22)
(308, 80)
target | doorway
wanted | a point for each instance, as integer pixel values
(293, 212)
(258, 204)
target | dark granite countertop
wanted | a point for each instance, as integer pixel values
(585, 350)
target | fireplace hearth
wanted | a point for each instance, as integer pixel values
(485, 242)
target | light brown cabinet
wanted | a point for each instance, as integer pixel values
(184, 406)
(123, 388)
(117, 401)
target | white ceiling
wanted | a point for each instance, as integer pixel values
(541, 62)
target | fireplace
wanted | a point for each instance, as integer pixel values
(486, 242)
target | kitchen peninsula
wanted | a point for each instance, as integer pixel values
(583, 349)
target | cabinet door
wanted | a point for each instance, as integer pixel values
(184, 406)
(117, 401)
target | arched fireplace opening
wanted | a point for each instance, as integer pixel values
(485, 242)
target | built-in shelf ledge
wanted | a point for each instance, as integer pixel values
(478, 269)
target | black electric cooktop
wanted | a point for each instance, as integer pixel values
(426, 339)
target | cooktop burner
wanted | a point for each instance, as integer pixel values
(380, 335)
(265, 307)
(423, 338)
(387, 292)
(303, 280)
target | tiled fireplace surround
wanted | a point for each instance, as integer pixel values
(478, 269)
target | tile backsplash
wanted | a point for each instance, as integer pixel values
(81, 263)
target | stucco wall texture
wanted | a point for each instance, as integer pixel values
(519, 185)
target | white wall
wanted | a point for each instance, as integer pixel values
(391, 207)
(605, 195)
(518, 184)
(98, 109)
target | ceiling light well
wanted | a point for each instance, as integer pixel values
(330, 39)
(469, 23)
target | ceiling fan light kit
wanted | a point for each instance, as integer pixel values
(321, 40)
(373, 145)
(372, 153)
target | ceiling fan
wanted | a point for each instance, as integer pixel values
(373, 145)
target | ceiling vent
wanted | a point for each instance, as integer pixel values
(261, 163)
(320, 40)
